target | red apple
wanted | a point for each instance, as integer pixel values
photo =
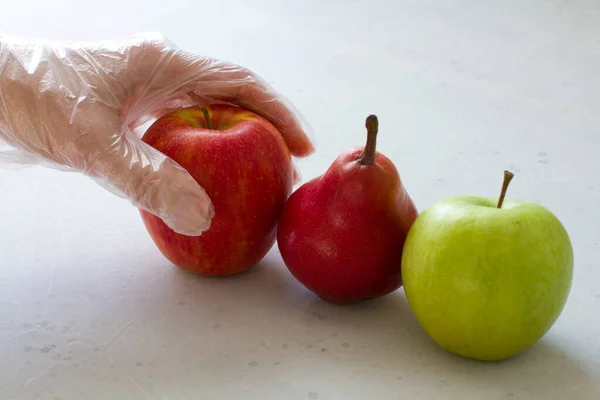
(245, 166)
(341, 234)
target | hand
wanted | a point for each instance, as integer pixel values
(82, 108)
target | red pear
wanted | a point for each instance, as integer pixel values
(341, 234)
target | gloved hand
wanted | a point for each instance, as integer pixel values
(82, 108)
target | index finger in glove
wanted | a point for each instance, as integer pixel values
(211, 79)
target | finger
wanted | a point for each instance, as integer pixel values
(250, 92)
(155, 183)
(220, 81)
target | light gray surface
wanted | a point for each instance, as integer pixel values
(89, 309)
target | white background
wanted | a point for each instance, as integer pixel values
(89, 309)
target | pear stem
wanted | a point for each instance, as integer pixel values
(507, 178)
(368, 155)
(206, 116)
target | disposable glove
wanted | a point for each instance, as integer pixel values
(83, 107)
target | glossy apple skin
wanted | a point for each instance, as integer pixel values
(487, 283)
(246, 169)
(341, 234)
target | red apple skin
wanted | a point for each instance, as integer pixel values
(341, 234)
(246, 169)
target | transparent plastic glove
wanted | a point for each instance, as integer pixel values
(83, 107)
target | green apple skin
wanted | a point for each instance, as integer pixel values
(487, 283)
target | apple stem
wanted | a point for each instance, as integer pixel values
(507, 178)
(368, 155)
(206, 116)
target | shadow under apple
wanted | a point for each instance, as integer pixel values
(262, 332)
(377, 341)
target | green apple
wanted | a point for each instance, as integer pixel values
(487, 278)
